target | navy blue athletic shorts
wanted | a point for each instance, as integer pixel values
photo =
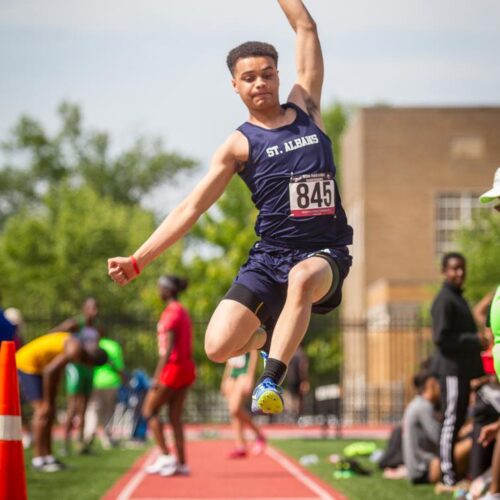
(262, 281)
(31, 386)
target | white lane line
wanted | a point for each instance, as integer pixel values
(136, 479)
(298, 474)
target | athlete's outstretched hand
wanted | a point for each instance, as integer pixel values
(121, 270)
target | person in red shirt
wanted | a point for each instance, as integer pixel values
(174, 373)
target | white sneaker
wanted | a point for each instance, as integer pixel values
(163, 461)
(53, 467)
(176, 470)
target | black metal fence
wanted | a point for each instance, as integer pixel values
(367, 364)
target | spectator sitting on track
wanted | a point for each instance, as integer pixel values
(391, 460)
(40, 364)
(421, 433)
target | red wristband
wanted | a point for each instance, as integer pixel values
(135, 265)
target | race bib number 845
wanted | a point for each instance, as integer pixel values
(312, 194)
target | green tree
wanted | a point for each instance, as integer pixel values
(336, 118)
(67, 203)
(53, 257)
(34, 161)
(480, 243)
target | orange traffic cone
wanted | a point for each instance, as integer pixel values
(12, 472)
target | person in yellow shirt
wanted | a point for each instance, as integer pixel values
(79, 377)
(40, 364)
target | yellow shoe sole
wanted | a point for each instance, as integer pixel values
(270, 403)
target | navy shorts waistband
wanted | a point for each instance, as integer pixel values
(301, 245)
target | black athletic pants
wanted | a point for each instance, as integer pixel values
(455, 393)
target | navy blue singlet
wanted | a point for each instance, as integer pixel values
(290, 173)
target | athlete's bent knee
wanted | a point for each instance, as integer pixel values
(216, 352)
(300, 282)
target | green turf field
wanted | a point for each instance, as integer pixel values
(88, 477)
(374, 487)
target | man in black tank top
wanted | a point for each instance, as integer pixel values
(285, 158)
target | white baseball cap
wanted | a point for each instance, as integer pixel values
(494, 192)
(14, 316)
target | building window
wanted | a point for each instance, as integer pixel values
(453, 210)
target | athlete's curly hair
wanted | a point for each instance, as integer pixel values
(251, 49)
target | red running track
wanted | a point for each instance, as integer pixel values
(270, 476)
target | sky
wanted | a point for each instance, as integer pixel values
(156, 68)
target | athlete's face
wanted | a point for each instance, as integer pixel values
(256, 80)
(454, 272)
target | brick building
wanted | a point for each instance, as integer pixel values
(410, 178)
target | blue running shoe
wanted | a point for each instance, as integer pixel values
(267, 398)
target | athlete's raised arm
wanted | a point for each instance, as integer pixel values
(306, 92)
(224, 164)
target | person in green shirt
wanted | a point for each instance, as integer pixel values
(494, 321)
(106, 382)
(492, 431)
(79, 377)
(493, 195)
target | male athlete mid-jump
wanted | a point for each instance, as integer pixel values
(284, 156)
